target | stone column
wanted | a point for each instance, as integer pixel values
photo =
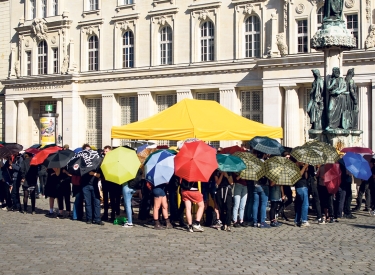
(272, 105)
(182, 94)
(71, 121)
(333, 58)
(22, 124)
(146, 105)
(10, 120)
(291, 117)
(110, 115)
(59, 120)
(363, 116)
(229, 99)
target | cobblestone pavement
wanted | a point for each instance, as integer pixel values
(35, 244)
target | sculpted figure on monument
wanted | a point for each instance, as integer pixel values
(316, 105)
(337, 92)
(351, 113)
(333, 9)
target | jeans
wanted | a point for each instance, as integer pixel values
(92, 202)
(128, 194)
(344, 200)
(15, 195)
(364, 188)
(42, 183)
(78, 207)
(301, 204)
(240, 197)
(260, 200)
(249, 203)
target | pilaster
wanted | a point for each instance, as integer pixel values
(272, 105)
(22, 124)
(146, 105)
(182, 94)
(10, 121)
(72, 121)
(59, 128)
(363, 116)
(109, 117)
(291, 117)
(229, 99)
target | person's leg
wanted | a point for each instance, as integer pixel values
(96, 201)
(305, 204)
(88, 202)
(348, 201)
(219, 198)
(32, 198)
(342, 194)
(249, 203)
(189, 218)
(361, 191)
(25, 199)
(172, 190)
(76, 205)
(256, 199)
(316, 199)
(200, 211)
(264, 199)
(51, 204)
(243, 203)
(105, 189)
(157, 204)
(228, 206)
(272, 212)
(237, 200)
(128, 194)
(367, 196)
(298, 205)
(164, 207)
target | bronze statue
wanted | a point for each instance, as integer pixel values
(316, 105)
(336, 90)
(351, 112)
(333, 9)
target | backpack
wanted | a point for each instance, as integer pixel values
(210, 216)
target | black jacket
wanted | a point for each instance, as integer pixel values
(29, 173)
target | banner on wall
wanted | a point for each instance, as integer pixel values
(47, 130)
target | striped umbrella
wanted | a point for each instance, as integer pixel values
(328, 150)
(160, 167)
(282, 171)
(308, 155)
(254, 167)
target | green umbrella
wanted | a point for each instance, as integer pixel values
(282, 171)
(254, 166)
(308, 155)
(332, 156)
(229, 163)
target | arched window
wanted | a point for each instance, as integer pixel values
(207, 41)
(93, 53)
(166, 46)
(42, 57)
(252, 37)
(319, 18)
(128, 50)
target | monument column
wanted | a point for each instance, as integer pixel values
(291, 117)
(146, 105)
(22, 125)
(363, 116)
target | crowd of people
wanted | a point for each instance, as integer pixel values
(224, 201)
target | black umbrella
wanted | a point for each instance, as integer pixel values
(10, 149)
(36, 146)
(84, 162)
(59, 159)
(267, 145)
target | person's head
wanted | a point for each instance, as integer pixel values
(219, 150)
(27, 155)
(86, 146)
(66, 147)
(106, 149)
(336, 72)
(286, 154)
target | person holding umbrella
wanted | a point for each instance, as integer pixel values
(29, 177)
(6, 184)
(224, 183)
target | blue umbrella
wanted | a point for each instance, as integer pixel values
(267, 145)
(357, 165)
(160, 167)
(141, 148)
(77, 150)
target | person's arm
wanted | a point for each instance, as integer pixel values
(218, 179)
(304, 169)
(282, 192)
(95, 174)
(230, 178)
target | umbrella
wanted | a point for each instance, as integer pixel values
(141, 148)
(267, 145)
(332, 177)
(308, 155)
(145, 153)
(10, 149)
(43, 154)
(282, 171)
(36, 146)
(120, 165)
(358, 150)
(328, 150)
(159, 150)
(357, 165)
(229, 163)
(84, 162)
(232, 150)
(59, 159)
(33, 151)
(196, 161)
(77, 150)
(254, 166)
(179, 146)
(159, 168)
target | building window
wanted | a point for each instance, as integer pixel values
(43, 4)
(42, 57)
(93, 53)
(128, 50)
(127, 2)
(252, 37)
(32, 9)
(55, 7)
(352, 25)
(320, 16)
(302, 36)
(164, 102)
(93, 5)
(94, 122)
(252, 105)
(166, 46)
(207, 41)
(28, 63)
(55, 60)
(208, 96)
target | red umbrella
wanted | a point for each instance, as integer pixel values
(196, 161)
(33, 151)
(232, 150)
(358, 150)
(43, 154)
(332, 177)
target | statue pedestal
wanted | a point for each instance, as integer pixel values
(338, 138)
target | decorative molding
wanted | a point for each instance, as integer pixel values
(349, 3)
(317, 3)
(123, 7)
(85, 13)
(206, 6)
(286, 5)
(237, 2)
(163, 12)
(53, 40)
(370, 40)
(300, 8)
(40, 29)
(156, 2)
(281, 44)
(81, 24)
(127, 17)
(27, 43)
(368, 11)
(90, 30)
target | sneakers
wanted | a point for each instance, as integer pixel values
(351, 217)
(99, 222)
(244, 224)
(305, 224)
(264, 225)
(356, 209)
(217, 224)
(255, 225)
(190, 228)
(321, 221)
(128, 225)
(275, 224)
(198, 228)
(372, 213)
(59, 216)
(236, 224)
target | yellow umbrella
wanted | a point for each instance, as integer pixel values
(120, 165)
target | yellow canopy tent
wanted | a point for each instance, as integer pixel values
(190, 118)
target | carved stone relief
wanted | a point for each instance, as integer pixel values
(349, 3)
(370, 40)
(300, 8)
(39, 28)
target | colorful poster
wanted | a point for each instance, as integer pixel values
(47, 130)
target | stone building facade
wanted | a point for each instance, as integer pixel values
(111, 62)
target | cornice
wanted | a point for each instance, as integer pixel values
(52, 25)
(237, 2)
(90, 22)
(207, 5)
(38, 81)
(163, 11)
(125, 17)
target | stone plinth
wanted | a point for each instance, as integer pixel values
(338, 138)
